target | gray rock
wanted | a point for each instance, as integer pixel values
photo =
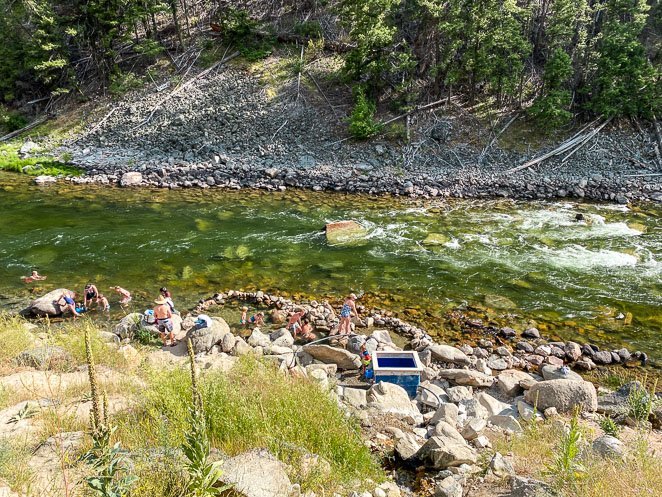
(258, 339)
(282, 338)
(501, 466)
(467, 377)
(531, 333)
(608, 446)
(510, 382)
(457, 394)
(528, 487)
(407, 445)
(46, 305)
(47, 358)
(227, 342)
(497, 363)
(391, 398)
(472, 428)
(203, 339)
(564, 395)
(603, 357)
(505, 422)
(448, 354)
(442, 452)
(257, 474)
(494, 406)
(431, 395)
(128, 325)
(355, 397)
(448, 487)
(132, 178)
(572, 351)
(551, 372)
(446, 412)
(343, 358)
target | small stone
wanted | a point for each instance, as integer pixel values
(448, 487)
(608, 446)
(531, 333)
(501, 466)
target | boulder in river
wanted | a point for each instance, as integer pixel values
(46, 305)
(435, 240)
(345, 233)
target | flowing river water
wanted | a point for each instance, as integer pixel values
(519, 262)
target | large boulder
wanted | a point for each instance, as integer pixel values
(128, 325)
(551, 372)
(441, 452)
(257, 474)
(46, 305)
(467, 377)
(203, 339)
(258, 339)
(391, 398)
(564, 395)
(446, 353)
(282, 338)
(132, 178)
(333, 355)
(48, 357)
(512, 382)
(345, 233)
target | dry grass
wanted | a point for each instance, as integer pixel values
(14, 469)
(639, 474)
(14, 338)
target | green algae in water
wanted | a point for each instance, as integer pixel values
(199, 242)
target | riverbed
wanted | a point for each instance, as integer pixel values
(596, 279)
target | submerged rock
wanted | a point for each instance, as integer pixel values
(345, 233)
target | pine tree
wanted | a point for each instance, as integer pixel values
(625, 82)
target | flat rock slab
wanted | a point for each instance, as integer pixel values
(333, 355)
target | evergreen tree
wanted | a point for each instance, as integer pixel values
(625, 82)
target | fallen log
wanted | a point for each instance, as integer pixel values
(18, 132)
(496, 137)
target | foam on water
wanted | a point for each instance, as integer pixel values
(578, 257)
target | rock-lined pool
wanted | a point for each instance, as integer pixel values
(512, 261)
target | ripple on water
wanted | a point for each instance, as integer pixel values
(580, 258)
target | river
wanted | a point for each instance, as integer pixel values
(518, 262)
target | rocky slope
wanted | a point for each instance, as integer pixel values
(231, 129)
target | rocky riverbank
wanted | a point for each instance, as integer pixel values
(229, 131)
(447, 441)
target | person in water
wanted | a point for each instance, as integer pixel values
(91, 294)
(104, 304)
(307, 330)
(35, 276)
(67, 302)
(294, 324)
(257, 319)
(348, 308)
(126, 295)
(163, 315)
(168, 297)
(243, 320)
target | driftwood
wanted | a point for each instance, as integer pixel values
(496, 137)
(415, 110)
(333, 109)
(587, 139)
(16, 133)
(183, 86)
(578, 140)
(98, 125)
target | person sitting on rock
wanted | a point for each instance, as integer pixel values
(67, 301)
(35, 276)
(348, 308)
(126, 295)
(294, 324)
(163, 315)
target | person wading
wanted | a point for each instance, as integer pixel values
(163, 316)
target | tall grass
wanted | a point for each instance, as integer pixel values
(14, 339)
(535, 450)
(14, 469)
(253, 406)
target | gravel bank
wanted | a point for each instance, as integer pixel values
(229, 131)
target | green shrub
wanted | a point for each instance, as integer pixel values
(362, 123)
(254, 406)
(123, 82)
(567, 467)
(609, 426)
(308, 29)
(13, 337)
(10, 121)
(641, 403)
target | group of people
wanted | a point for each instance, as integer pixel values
(91, 295)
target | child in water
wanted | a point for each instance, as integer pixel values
(103, 303)
(126, 295)
(257, 319)
(307, 330)
(35, 276)
(244, 316)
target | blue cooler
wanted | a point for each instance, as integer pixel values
(402, 368)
